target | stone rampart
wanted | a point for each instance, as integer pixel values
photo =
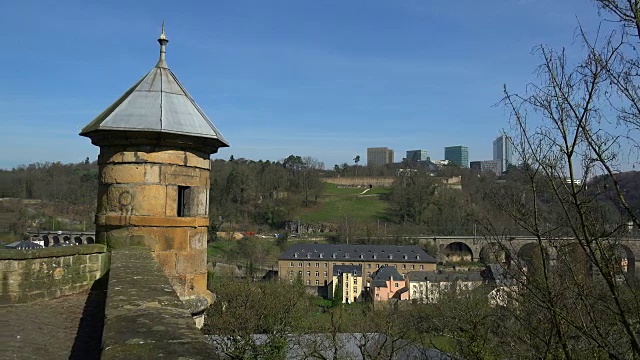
(38, 274)
(381, 181)
(144, 317)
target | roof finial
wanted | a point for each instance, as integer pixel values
(163, 43)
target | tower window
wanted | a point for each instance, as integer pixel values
(184, 196)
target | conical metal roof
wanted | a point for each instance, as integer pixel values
(157, 103)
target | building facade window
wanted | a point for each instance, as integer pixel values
(317, 273)
(308, 282)
(317, 282)
(325, 274)
(299, 264)
(421, 267)
(291, 264)
(317, 264)
(308, 273)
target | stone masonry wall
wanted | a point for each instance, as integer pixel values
(30, 275)
(138, 205)
(360, 181)
(144, 318)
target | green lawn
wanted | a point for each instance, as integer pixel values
(379, 191)
(335, 208)
(333, 189)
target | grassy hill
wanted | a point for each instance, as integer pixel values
(338, 202)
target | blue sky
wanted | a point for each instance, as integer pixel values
(313, 78)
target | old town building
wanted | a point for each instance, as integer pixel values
(313, 264)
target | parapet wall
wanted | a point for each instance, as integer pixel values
(144, 317)
(38, 274)
(381, 181)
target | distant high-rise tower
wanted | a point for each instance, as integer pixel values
(458, 155)
(503, 152)
(417, 155)
(379, 156)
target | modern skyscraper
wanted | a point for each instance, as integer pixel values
(379, 156)
(458, 155)
(503, 152)
(417, 155)
(485, 166)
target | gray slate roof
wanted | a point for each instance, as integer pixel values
(341, 269)
(384, 274)
(343, 252)
(24, 245)
(434, 276)
(496, 274)
(157, 103)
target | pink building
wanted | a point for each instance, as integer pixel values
(387, 283)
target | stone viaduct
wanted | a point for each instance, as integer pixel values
(55, 237)
(479, 248)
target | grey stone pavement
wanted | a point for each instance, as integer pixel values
(53, 329)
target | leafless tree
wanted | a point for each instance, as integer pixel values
(574, 129)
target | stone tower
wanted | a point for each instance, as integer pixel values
(155, 144)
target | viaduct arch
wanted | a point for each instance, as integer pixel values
(479, 249)
(50, 238)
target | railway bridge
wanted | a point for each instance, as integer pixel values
(51, 238)
(488, 249)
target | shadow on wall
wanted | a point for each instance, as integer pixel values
(88, 341)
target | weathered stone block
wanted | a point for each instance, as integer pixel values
(192, 262)
(199, 201)
(181, 175)
(152, 173)
(149, 200)
(198, 239)
(67, 261)
(197, 283)
(179, 283)
(171, 208)
(93, 259)
(90, 268)
(8, 265)
(117, 238)
(120, 199)
(122, 174)
(167, 261)
(164, 239)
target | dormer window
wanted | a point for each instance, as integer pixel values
(417, 257)
(295, 255)
(333, 255)
(375, 256)
(361, 256)
(321, 255)
(339, 272)
(390, 256)
(354, 273)
(308, 255)
(346, 255)
(404, 256)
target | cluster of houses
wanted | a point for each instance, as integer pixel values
(356, 273)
